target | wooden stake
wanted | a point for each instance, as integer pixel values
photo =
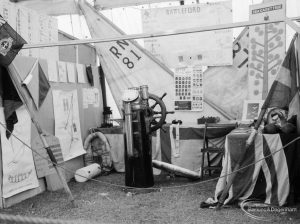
(25, 99)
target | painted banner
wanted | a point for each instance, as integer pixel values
(227, 86)
(67, 123)
(17, 161)
(211, 48)
(189, 88)
(267, 47)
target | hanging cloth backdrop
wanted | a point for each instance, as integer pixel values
(18, 168)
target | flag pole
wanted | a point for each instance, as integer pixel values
(42, 135)
(159, 34)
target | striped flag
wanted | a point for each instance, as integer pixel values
(272, 176)
(284, 90)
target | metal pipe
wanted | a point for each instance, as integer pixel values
(144, 92)
(159, 34)
(176, 169)
(128, 128)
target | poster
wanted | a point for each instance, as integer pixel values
(67, 123)
(91, 96)
(189, 88)
(251, 109)
(52, 71)
(189, 49)
(267, 47)
(17, 161)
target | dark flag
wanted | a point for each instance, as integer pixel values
(10, 43)
(11, 100)
(284, 90)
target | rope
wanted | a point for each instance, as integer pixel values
(155, 188)
(18, 219)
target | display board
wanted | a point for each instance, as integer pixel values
(189, 88)
(267, 47)
(211, 48)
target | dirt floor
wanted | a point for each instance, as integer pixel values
(98, 202)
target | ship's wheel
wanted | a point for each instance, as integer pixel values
(157, 111)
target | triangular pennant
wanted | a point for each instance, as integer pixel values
(44, 86)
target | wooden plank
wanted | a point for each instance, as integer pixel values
(8, 202)
(109, 4)
(53, 181)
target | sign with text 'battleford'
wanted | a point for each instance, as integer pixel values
(206, 48)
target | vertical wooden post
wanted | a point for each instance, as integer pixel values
(28, 104)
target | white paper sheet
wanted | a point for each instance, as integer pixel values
(62, 71)
(71, 72)
(52, 71)
(81, 73)
(91, 96)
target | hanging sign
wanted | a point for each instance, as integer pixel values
(206, 48)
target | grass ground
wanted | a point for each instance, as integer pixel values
(97, 202)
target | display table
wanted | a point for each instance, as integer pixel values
(181, 145)
(272, 179)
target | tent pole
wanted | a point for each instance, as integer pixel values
(159, 34)
(26, 102)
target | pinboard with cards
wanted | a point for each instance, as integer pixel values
(189, 88)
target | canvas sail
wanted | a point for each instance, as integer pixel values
(125, 63)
